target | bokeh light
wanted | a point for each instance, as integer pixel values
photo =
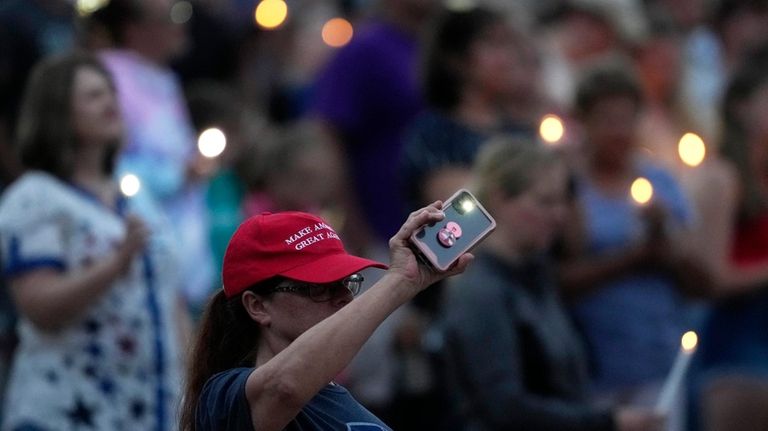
(87, 7)
(337, 32)
(211, 142)
(460, 5)
(641, 190)
(271, 13)
(691, 149)
(130, 185)
(689, 341)
(181, 12)
(551, 129)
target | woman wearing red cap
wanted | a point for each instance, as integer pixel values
(285, 325)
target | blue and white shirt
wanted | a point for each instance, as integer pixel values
(117, 367)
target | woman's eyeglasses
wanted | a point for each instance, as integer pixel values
(322, 292)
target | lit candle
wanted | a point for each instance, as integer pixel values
(337, 32)
(551, 129)
(675, 378)
(641, 191)
(270, 14)
(130, 185)
(211, 142)
(691, 149)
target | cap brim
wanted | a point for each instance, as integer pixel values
(331, 268)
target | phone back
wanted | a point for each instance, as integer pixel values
(465, 224)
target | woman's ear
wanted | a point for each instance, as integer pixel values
(254, 306)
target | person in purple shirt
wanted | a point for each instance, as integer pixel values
(365, 98)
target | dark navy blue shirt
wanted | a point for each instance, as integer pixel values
(224, 407)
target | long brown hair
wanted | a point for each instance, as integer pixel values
(227, 338)
(45, 136)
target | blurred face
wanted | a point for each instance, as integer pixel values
(659, 63)
(610, 127)
(311, 181)
(525, 71)
(94, 108)
(532, 220)
(587, 35)
(491, 61)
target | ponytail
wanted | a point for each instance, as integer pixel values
(227, 338)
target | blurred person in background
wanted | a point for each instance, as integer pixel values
(581, 33)
(661, 123)
(742, 26)
(468, 74)
(160, 147)
(297, 171)
(29, 31)
(731, 372)
(365, 98)
(214, 105)
(702, 71)
(100, 319)
(468, 79)
(512, 355)
(624, 268)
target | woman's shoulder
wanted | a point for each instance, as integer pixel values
(30, 194)
(34, 180)
(228, 377)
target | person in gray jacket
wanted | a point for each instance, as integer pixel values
(512, 358)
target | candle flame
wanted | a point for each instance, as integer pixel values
(211, 142)
(551, 129)
(87, 7)
(641, 190)
(271, 14)
(130, 185)
(691, 149)
(337, 32)
(689, 341)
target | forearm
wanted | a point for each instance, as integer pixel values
(278, 389)
(52, 300)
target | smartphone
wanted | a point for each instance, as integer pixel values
(466, 223)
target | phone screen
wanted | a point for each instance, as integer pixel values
(465, 223)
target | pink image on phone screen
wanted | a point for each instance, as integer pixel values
(448, 235)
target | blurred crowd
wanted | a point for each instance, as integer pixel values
(550, 111)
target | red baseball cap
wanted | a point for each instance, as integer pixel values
(294, 245)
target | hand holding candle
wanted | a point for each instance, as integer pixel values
(674, 382)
